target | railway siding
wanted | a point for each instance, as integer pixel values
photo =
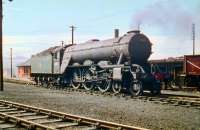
(14, 113)
(114, 108)
(192, 101)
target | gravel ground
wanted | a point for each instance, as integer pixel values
(115, 109)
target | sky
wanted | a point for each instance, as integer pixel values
(30, 26)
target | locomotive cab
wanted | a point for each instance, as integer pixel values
(57, 56)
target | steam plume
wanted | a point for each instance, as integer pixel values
(165, 15)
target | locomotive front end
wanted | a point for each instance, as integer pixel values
(139, 48)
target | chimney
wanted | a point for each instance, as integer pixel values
(116, 33)
(62, 43)
(134, 31)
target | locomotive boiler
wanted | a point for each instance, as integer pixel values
(115, 64)
(133, 47)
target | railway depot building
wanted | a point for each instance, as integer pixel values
(24, 70)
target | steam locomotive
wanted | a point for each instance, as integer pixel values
(117, 64)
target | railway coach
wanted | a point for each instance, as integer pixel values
(115, 64)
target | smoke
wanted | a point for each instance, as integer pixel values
(169, 23)
(167, 16)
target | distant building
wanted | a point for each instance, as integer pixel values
(24, 70)
(6, 72)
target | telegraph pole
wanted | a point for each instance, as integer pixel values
(193, 37)
(1, 46)
(72, 29)
(62, 43)
(11, 62)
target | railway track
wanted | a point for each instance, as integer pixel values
(175, 100)
(14, 115)
(170, 99)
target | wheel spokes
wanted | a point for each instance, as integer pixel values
(136, 89)
(76, 79)
(104, 86)
(87, 78)
(116, 87)
(88, 85)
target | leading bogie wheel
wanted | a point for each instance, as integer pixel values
(116, 87)
(156, 89)
(136, 88)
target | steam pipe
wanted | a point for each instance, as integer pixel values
(120, 59)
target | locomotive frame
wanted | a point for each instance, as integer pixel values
(118, 64)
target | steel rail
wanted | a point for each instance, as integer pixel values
(79, 119)
(192, 101)
(181, 100)
(23, 122)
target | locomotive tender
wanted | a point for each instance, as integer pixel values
(115, 64)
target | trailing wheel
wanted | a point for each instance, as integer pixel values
(36, 80)
(116, 87)
(39, 81)
(76, 84)
(105, 85)
(136, 88)
(45, 84)
(50, 85)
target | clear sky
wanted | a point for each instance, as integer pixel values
(34, 25)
